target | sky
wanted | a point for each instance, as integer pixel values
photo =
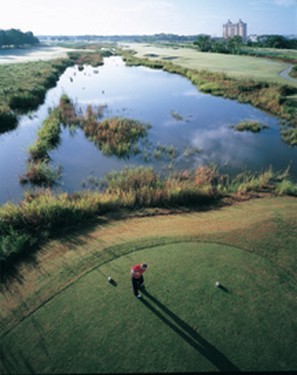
(146, 17)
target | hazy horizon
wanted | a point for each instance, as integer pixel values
(148, 17)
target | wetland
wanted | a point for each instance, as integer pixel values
(182, 129)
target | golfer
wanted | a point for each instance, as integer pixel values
(137, 277)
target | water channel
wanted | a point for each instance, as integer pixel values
(197, 125)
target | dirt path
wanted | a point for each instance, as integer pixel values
(61, 262)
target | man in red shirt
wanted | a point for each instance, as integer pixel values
(137, 277)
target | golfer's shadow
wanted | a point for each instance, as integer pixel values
(189, 334)
(113, 282)
(224, 289)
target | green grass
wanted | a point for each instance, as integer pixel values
(239, 67)
(288, 55)
(66, 318)
(183, 324)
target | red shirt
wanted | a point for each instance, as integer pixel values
(137, 271)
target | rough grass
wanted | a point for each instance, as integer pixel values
(78, 322)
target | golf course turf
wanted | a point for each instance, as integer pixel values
(72, 320)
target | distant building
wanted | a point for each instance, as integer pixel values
(232, 29)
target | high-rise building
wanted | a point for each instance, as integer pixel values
(232, 29)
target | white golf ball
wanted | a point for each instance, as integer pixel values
(109, 278)
(218, 284)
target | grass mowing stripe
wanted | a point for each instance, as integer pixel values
(186, 323)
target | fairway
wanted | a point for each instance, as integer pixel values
(184, 322)
(240, 67)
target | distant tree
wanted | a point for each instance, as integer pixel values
(273, 41)
(234, 44)
(29, 38)
(219, 46)
(203, 42)
(17, 38)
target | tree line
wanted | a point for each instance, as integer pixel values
(233, 45)
(17, 38)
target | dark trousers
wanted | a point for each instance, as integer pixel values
(136, 284)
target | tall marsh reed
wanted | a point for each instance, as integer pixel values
(43, 215)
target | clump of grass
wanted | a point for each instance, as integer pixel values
(67, 112)
(286, 187)
(40, 173)
(248, 182)
(81, 58)
(163, 151)
(191, 151)
(289, 135)
(48, 138)
(115, 136)
(250, 125)
(176, 116)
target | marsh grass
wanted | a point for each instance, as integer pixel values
(41, 173)
(43, 215)
(289, 135)
(80, 58)
(39, 170)
(115, 136)
(23, 86)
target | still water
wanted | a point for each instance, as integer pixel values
(197, 125)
